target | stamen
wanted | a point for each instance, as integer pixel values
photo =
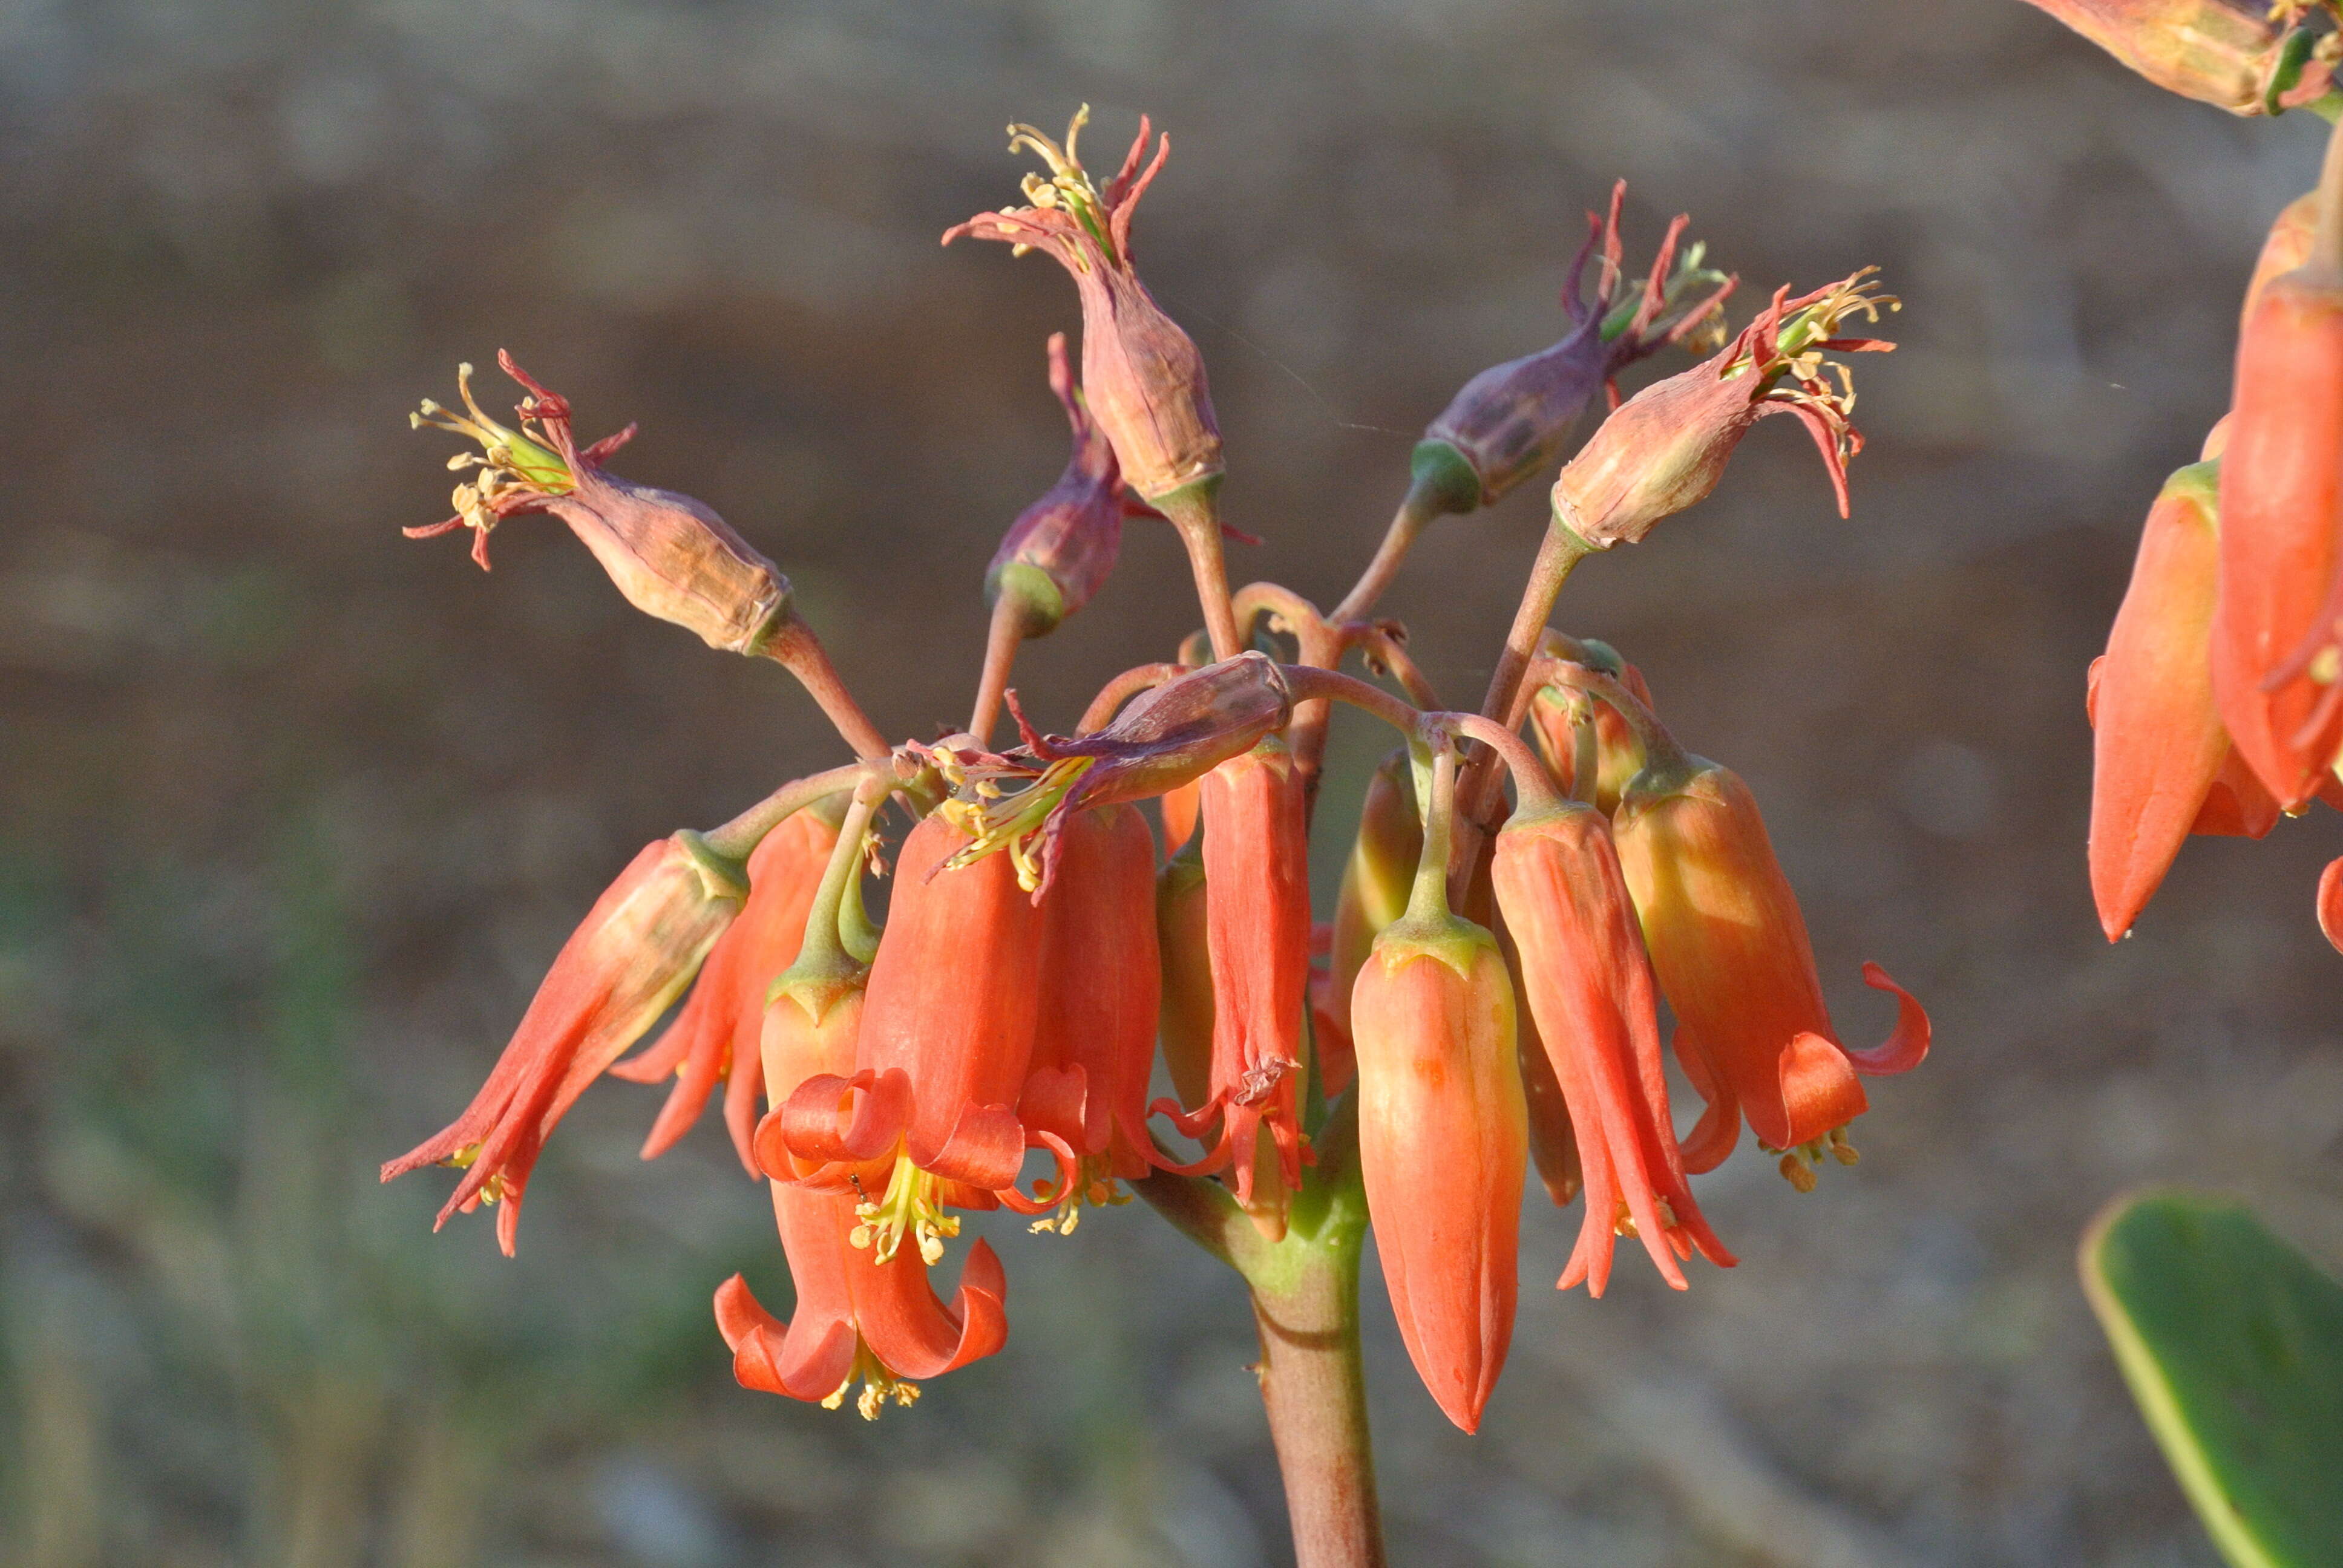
(1797, 1174)
(912, 1206)
(1841, 1150)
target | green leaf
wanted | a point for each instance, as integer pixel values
(2232, 1341)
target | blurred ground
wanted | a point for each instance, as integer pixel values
(293, 811)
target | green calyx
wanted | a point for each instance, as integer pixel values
(2199, 483)
(1441, 936)
(1442, 479)
(1041, 605)
(720, 876)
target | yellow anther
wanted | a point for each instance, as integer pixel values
(1841, 1150)
(2326, 665)
(1797, 1174)
(1667, 1216)
(912, 1206)
(1623, 1223)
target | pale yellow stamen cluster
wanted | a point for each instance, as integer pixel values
(995, 822)
(912, 1206)
(1624, 1223)
(1799, 1164)
(508, 459)
(1067, 186)
(464, 1159)
(879, 1386)
(1094, 1184)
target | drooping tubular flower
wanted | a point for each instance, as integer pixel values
(715, 1032)
(1141, 374)
(1164, 737)
(2277, 623)
(2242, 55)
(1442, 1141)
(857, 1317)
(1101, 991)
(1377, 881)
(927, 1116)
(2162, 765)
(625, 965)
(668, 554)
(1591, 990)
(1666, 448)
(1257, 919)
(1729, 945)
(1511, 421)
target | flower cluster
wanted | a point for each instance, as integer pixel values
(2218, 706)
(1486, 998)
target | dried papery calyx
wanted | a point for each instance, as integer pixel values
(670, 555)
(1442, 1139)
(1510, 422)
(1141, 374)
(638, 947)
(1665, 449)
(1164, 737)
(2248, 56)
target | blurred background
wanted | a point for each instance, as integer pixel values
(293, 812)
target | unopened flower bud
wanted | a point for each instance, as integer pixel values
(670, 555)
(2241, 55)
(1141, 374)
(1511, 421)
(1061, 549)
(1666, 448)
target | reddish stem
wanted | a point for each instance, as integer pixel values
(796, 649)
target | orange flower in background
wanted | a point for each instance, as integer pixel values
(2277, 620)
(625, 965)
(1442, 1145)
(1730, 947)
(1590, 988)
(927, 1117)
(1376, 882)
(2162, 764)
(1619, 754)
(715, 1033)
(1101, 983)
(2284, 249)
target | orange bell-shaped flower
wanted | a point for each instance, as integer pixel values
(946, 1039)
(1101, 991)
(1590, 988)
(2277, 626)
(858, 1315)
(1256, 851)
(638, 947)
(715, 1033)
(1729, 945)
(2158, 746)
(1444, 1144)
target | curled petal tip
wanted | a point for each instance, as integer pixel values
(1904, 1048)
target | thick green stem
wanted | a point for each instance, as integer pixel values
(1314, 1386)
